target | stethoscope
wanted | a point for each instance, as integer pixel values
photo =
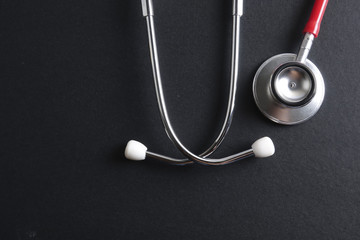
(287, 88)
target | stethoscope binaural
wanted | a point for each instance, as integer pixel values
(261, 148)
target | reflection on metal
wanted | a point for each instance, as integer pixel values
(287, 91)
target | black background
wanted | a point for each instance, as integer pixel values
(76, 85)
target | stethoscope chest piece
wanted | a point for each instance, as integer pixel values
(288, 91)
(288, 88)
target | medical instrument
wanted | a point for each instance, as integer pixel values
(288, 88)
(263, 147)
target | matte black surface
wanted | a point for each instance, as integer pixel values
(76, 85)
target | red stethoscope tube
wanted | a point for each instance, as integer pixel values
(313, 25)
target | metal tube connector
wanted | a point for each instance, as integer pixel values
(305, 47)
(238, 7)
(147, 8)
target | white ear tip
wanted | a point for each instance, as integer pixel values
(263, 147)
(135, 151)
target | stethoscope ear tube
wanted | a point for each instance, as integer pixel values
(261, 148)
(137, 151)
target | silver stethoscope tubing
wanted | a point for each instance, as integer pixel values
(137, 151)
(288, 88)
